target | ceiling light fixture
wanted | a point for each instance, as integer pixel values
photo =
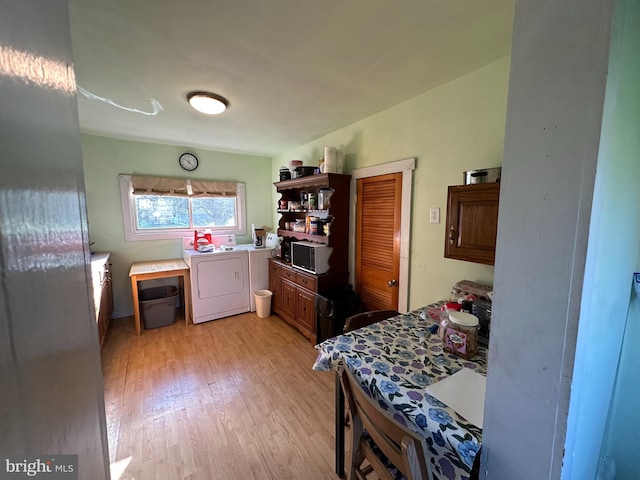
(207, 102)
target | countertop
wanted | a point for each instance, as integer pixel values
(99, 267)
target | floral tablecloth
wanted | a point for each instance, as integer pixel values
(395, 360)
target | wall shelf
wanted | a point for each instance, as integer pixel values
(303, 236)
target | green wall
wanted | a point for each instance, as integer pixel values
(105, 158)
(456, 127)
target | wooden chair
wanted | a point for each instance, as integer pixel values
(363, 319)
(374, 432)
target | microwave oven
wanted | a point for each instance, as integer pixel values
(310, 257)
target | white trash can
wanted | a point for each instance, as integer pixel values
(263, 303)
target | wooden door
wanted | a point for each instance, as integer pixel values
(379, 204)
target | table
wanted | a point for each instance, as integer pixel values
(394, 365)
(160, 269)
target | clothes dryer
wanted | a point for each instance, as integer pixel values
(219, 283)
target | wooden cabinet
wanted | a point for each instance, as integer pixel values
(294, 294)
(472, 222)
(102, 292)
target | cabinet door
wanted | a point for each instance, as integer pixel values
(472, 222)
(106, 307)
(306, 310)
(289, 298)
(275, 285)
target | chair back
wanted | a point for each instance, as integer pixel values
(405, 449)
(363, 319)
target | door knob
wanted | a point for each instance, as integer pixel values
(392, 283)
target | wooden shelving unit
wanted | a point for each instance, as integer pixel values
(293, 290)
(339, 211)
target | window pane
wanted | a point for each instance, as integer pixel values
(214, 211)
(162, 212)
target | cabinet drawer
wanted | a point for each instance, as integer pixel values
(275, 269)
(289, 274)
(308, 282)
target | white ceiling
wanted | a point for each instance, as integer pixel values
(292, 70)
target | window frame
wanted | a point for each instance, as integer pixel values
(133, 233)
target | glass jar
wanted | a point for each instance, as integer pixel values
(459, 333)
(299, 226)
(311, 200)
(323, 198)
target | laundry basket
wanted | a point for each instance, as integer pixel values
(158, 306)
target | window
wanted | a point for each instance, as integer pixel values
(158, 208)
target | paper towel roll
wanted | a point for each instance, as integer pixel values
(340, 162)
(330, 160)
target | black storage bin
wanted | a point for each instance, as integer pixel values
(332, 309)
(158, 306)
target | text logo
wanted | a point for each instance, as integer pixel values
(50, 467)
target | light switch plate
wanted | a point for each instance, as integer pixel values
(434, 215)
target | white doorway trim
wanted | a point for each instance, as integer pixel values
(406, 167)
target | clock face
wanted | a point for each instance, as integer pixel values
(188, 161)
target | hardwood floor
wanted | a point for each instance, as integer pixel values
(234, 398)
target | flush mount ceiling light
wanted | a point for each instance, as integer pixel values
(207, 102)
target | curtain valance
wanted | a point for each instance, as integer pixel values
(182, 187)
(210, 188)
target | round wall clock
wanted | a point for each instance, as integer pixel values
(188, 161)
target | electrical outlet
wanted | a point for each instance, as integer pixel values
(434, 215)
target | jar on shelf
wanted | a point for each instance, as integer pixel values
(299, 226)
(459, 333)
(323, 198)
(311, 200)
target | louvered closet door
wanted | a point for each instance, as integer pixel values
(378, 241)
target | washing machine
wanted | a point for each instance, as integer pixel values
(258, 268)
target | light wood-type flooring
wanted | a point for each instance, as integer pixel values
(234, 398)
